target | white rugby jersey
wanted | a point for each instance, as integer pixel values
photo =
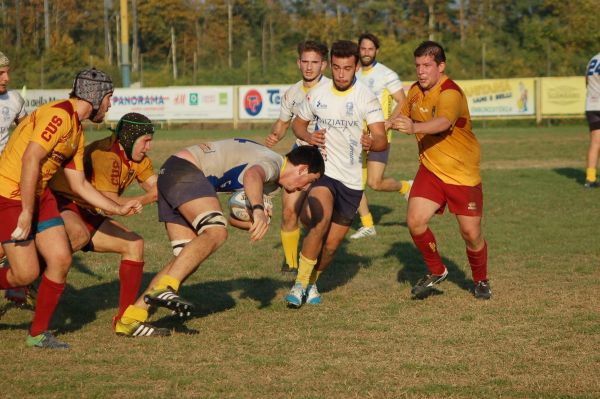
(342, 115)
(291, 100)
(12, 108)
(224, 163)
(382, 81)
(592, 102)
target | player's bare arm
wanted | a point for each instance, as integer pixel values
(378, 137)
(300, 128)
(399, 97)
(406, 125)
(30, 172)
(150, 195)
(277, 132)
(85, 190)
(254, 179)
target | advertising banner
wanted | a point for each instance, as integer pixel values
(260, 101)
(500, 97)
(35, 98)
(563, 96)
(174, 103)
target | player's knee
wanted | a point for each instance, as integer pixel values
(374, 183)
(79, 238)
(416, 224)
(472, 236)
(24, 276)
(289, 218)
(217, 236)
(135, 247)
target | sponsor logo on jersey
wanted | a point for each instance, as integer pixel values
(472, 206)
(320, 105)
(253, 102)
(349, 109)
(341, 123)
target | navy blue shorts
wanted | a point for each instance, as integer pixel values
(180, 181)
(345, 200)
(593, 118)
(379, 156)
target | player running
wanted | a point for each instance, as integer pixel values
(312, 62)
(188, 183)
(437, 113)
(31, 224)
(340, 109)
(112, 164)
(387, 86)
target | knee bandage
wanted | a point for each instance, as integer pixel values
(178, 245)
(208, 220)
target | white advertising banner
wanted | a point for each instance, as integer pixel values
(35, 98)
(174, 103)
(260, 101)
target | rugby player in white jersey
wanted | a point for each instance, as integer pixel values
(387, 86)
(592, 113)
(188, 183)
(340, 109)
(312, 62)
(12, 110)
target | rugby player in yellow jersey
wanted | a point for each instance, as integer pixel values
(312, 62)
(437, 113)
(386, 85)
(111, 165)
(31, 224)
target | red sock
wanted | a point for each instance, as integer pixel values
(428, 247)
(4, 284)
(130, 276)
(48, 296)
(478, 262)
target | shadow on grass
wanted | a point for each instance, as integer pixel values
(413, 267)
(575, 174)
(342, 269)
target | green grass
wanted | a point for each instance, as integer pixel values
(539, 337)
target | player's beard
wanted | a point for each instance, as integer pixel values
(309, 80)
(367, 61)
(340, 88)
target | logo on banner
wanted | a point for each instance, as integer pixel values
(193, 98)
(253, 102)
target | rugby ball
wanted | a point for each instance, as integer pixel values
(239, 206)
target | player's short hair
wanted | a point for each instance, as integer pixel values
(433, 49)
(345, 49)
(4, 61)
(369, 36)
(313, 45)
(307, 155)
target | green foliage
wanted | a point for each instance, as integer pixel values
(518, 38)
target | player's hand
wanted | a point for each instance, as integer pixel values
(403, 124)
(260, 225)
(366, 141)
(387, 125)
(21, 232)
(317, 138)
(130, 208)
(271, 140)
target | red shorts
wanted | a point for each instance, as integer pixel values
(46, 215)
(91, 219)
(461, 200)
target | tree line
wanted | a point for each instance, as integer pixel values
(214, 42)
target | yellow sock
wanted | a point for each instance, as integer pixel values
(168, 281)
(133, 313)
(305, 269)
(405, 187)
(367, 220)
(314, 276)
(590, 174)
(290, 241)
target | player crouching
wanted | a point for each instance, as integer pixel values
(188, 183)
(111, 165)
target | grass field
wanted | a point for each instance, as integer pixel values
(539, 336)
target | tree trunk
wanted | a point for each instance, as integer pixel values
(461, 21)
(135, 51)
(18, 24)
(46, 25)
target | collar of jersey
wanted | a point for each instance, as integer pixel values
(345, 92)
(307, 89)
(369, 68)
